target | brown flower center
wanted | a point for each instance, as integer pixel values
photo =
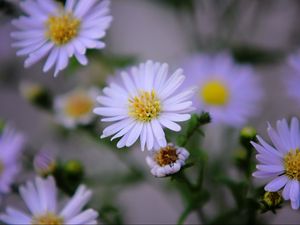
(166, 156)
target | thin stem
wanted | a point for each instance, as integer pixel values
(184, 215)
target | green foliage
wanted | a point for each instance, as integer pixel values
(178, 4)
(110, 215)
(255, 55)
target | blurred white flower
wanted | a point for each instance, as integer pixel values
(41, 199)
(167, 160)
(60, 32)
(76, 107)
(292, 84)
(228, 91)
(11, 146)
(143, 103)
(281, 162)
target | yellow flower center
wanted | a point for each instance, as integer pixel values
(47, 219)
(166, 156)
(292, 164)
(144, 107)
(78, 105)
(215, 93)
(62, 29)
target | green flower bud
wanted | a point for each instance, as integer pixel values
(272, 200)
(36, 94)
(73, 168)
(247, 134)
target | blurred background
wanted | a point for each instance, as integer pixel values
(259, 32)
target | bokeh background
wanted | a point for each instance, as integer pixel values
(262, 32)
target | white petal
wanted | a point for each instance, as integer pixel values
(169, 124)
(134, 134)
(158, 133)
(77, 202)
(53, 56)
(277, 183)
(294, 192)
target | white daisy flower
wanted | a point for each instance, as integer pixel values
(11, 146)
(144, 103)
(76, 107)
(229, 92)
(167, 160)
(41, 200)
(60, 32)
(281, 162)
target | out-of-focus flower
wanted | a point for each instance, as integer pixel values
(11, 146)
(294, 60)
(228, 91)
(60, 32)
(44, 162)
(167, 160)
(76, 107)
(292, 84)
(281, 162)
(144, 103)
(40, 198)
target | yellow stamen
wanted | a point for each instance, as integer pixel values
(166, 156)
(47, 219)
(292, 164)
(144, 107)
(78, 104)
(215, 93)
(62, 29)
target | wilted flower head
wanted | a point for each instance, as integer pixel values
(167, 160)
(41, 199)
(144, 102)
(11, 146)
(281, 162)
(76, 107)
(60, 32)
(228, 91)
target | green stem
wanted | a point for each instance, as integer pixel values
(184, 215)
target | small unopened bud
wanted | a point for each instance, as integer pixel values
(272, 200)
(36, 94)
(247, 134)
(74, 168)
(44, 163)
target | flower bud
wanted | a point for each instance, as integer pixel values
(74, 168)
(247, 134)
(44, 163)
(36, 94)
(271, 200)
